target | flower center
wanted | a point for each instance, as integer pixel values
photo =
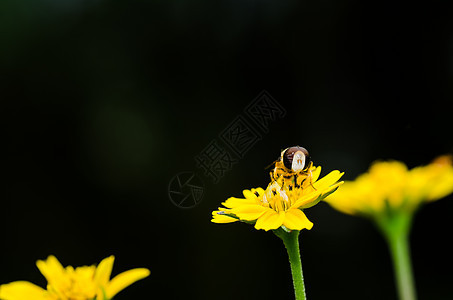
(276, 198)
(74, 284)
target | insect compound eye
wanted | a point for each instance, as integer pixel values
(307, 161)
(296, 158)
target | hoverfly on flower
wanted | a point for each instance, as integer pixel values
(287, 195)
(293, 167)
(280, 207)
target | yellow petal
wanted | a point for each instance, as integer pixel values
(315, 173)
(234, 202)
(323, 195)
(103, 271)
(253, 194)
(295, 219)
(306, 199)
(125, 279)
(220, 210)
(259, 190)
(21, 290)
(442, 187)
(270, 220)
(249, 212)
(216, 218)
(356, 197)
(51, 268)
(249, 195)
(328, 180)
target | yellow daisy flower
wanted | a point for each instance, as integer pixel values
(281, 204)
(389, 194)
(294, 187)
(391, 185)
(81, 283)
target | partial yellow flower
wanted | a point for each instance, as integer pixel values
(81, 283)
(390, 184)
(281, 204)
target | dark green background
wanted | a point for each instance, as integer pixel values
(103, 102)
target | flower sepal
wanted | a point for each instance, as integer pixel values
(394, 223)
(281, 228)
(104, 294)
(227, 214)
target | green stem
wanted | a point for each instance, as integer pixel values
(291, 241)
(396, 230)
(399, 247)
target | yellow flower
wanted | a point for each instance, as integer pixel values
(391, 185)
(281, 204)
(81, 283)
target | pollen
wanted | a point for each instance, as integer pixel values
(276, 198)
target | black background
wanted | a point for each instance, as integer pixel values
(104, 102)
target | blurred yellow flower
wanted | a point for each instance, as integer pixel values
(389, 194)
(280, 205)
(391, 185)
(81, 283)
